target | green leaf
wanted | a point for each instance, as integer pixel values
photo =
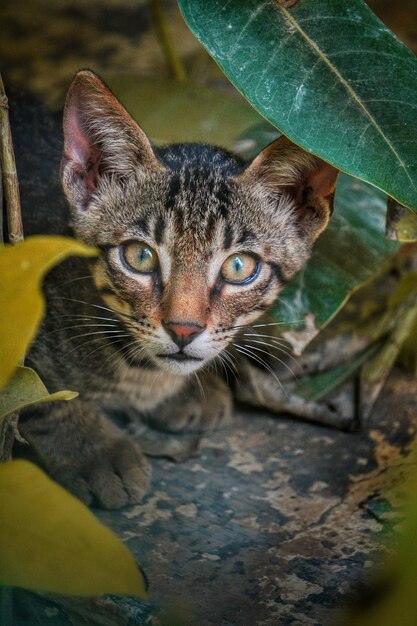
(329, 74)
(350, 252)
(317, 387)
(22, 268)
(25, 388)
(171, 112)
(49, 541)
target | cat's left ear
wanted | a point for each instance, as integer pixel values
(283, 169)
(100, 139)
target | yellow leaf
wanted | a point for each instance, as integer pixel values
(49, 541)
(25, 388)
(22, 268)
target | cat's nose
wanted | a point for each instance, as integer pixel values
(183, 333)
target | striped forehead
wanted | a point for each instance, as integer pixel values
(196, 205)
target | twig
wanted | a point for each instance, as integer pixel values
(8, 166)
(172, 59)
(11, 199)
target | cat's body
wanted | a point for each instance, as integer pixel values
(194, 246)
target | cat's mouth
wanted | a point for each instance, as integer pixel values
(179, 356)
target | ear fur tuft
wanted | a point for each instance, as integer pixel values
(100, 137)
(283, 167)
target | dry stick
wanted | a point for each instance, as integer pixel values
(172, 59)
(11, 198)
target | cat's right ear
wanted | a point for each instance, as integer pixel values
(284, 170)
(100, 138)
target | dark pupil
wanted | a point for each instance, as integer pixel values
(144, 255)
(237, 265)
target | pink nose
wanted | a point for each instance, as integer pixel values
(183, 333)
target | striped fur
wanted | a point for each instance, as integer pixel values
(194, 205)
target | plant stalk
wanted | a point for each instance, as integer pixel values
(11, 200)
(173, 61)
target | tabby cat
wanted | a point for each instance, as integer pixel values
(194, 245)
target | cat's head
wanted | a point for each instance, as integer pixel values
(194, 243)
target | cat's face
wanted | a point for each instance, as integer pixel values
(194, 245)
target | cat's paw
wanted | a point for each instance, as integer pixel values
(115, 476)
(202, 416)
(196, 410)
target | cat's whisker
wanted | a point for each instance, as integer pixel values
(73, 280)
(111, 340)
(98, 332)
(272, 340)
(57, 330)
(229, 359)
(119, 354)
(272, 356)
(99, 306)
(273, 346)
(101, 338)
(240, 327)
(286, 304)
(135, 351)
(203, 395)
(91, 317)
(243, 350)
(223, 366)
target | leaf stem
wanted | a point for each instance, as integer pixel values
(173, 61)
(11, 199)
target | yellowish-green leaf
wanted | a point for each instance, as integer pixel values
(394, 600)
(22, 268)
(170, 112)
(50, 541)
(25, 388)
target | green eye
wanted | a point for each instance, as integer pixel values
(240, 268)
(140, 257)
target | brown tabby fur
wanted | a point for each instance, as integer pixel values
(195, 205)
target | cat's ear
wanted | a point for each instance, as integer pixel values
(100, 137)
(283, 169)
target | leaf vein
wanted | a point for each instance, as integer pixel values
(355, 97)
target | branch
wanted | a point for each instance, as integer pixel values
(172, 59)
(11, 198)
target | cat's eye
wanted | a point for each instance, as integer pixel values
(240, 268)
(140, 257)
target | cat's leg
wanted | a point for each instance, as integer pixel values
(88, 455)
(202, 405)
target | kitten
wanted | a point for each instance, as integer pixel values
(194, 244)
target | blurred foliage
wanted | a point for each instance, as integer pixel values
(22, 268)
(391, 596)
(26, 388)
(49, 541)
(172, 112)
(350, 252)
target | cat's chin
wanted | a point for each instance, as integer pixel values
(181, 364)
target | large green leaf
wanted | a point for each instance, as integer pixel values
(350, 252)
(171, 112)
(49, 541)
(25, 388)
(22, 268)
(329, 74)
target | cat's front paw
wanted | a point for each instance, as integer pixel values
(115, 476)
(197, 409)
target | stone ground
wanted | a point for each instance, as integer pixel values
(277, 522)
